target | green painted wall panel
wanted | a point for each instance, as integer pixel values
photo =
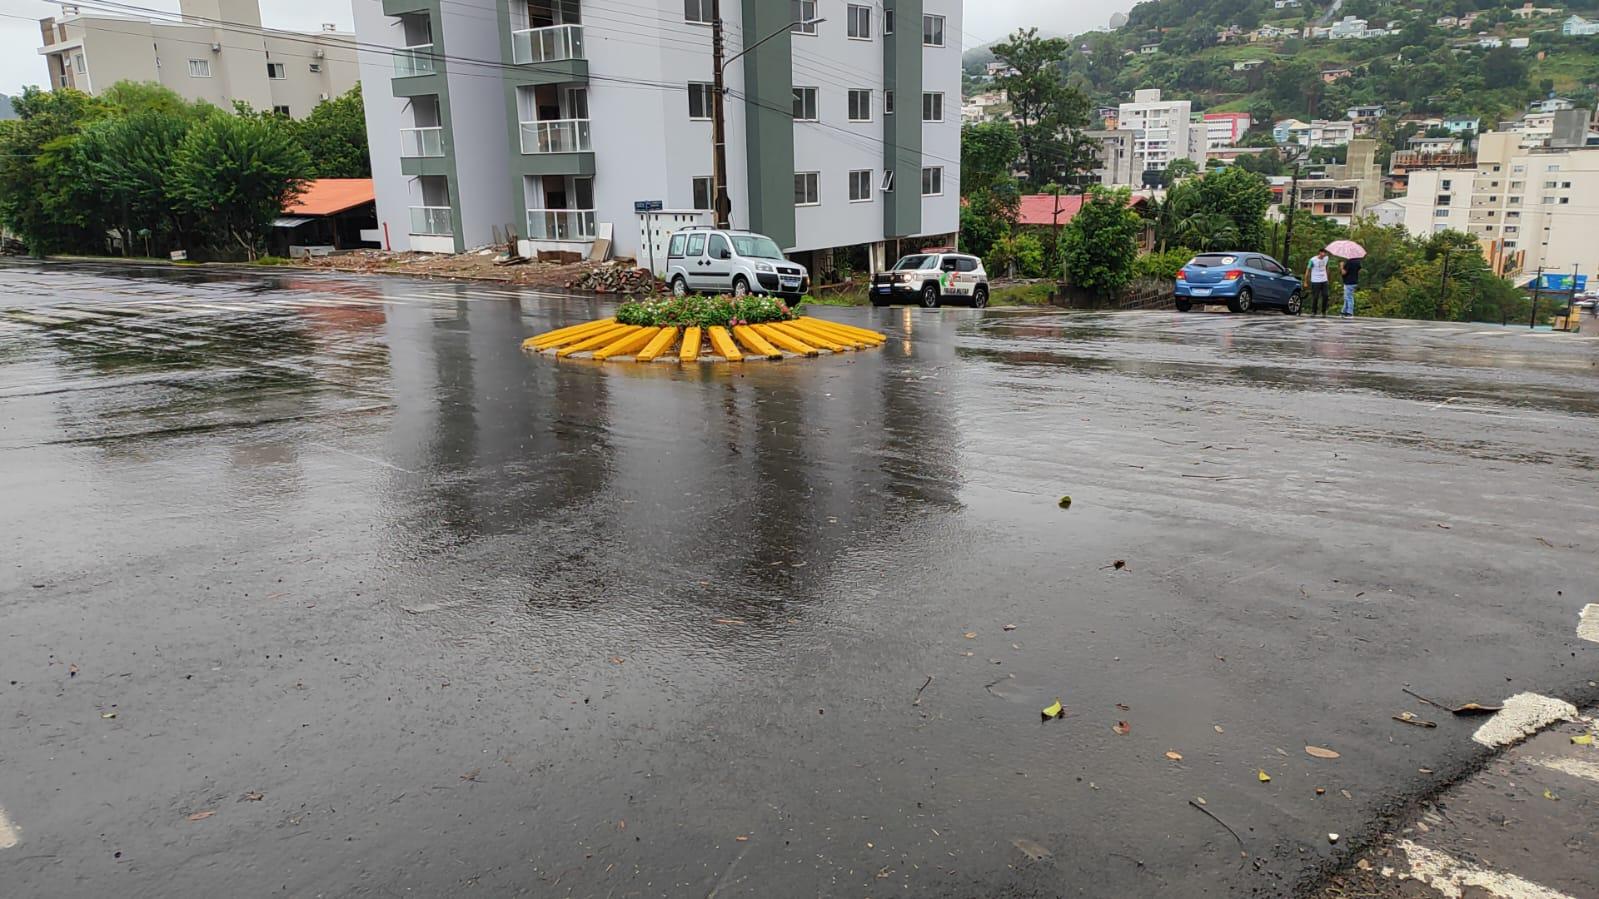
(902, 131)
(768, 118)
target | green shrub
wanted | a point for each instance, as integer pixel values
(1161, 266)
(704, 312)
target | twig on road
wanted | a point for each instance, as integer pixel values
(1212, 816)
(918, 700)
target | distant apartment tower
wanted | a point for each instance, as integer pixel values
(1224, 129)
(218, 53)
(1114, 153)
(573, 121)
(1528, 208)
(1165, 131)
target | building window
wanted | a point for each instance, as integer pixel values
(697, 11)
(275, 71)
(932, 107)
(1514, 201)
(700, 99)
(1549, 201)
(860, 186)
(804, 13)
(1552, 167)
(807, 189)
(1550, 185)
(702, 193)
(78, 64)
(860, 22)
(804, 104)
(1565, 200)
(1443, 200)
(316, 67)
(199, 68)
(888, 102)
(1510, 245)
(932, 31)
(1565, 185)
(888, 21)
(933, 181)
(1440, 213)
(888, 181)
(1446, 184)
(860, 105)
(281, 110)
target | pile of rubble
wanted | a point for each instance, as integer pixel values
(615, 277)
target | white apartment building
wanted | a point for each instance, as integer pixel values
(572, 121)
(1533, 207)
(1166, 129)
(217, 53)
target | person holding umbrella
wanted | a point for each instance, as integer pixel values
(1351, 253)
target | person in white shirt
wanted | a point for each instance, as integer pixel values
(1316, 274)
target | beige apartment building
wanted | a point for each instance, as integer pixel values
(1528, 208)
(218, 53)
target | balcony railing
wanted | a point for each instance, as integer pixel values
(556, 136)
(416, 60)
(416, 142)
(432, 220)
(550, 44)
(560, 224)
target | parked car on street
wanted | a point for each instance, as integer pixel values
(932, 279)
(712, 260)
(1243, 281)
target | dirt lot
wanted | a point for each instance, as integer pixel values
(619, 276)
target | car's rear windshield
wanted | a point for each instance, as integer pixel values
(910, 263)
(1211, 260)
(756, 246)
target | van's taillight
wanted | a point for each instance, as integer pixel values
(1234, 275)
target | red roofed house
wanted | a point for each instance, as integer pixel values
(1041, 211)
(331, 214)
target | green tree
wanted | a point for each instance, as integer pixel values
(39, 183)
(236, 174)
(334, 135)
(989, 192)
(1101, 242)
(1180, 168)
(1503, 67)
(124, 161)
(1240, 196)
(1051, 115)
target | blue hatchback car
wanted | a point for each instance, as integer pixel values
(1243, 281)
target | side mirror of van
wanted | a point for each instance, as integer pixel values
(727, 254)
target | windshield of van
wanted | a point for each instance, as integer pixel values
(756, 246)
(910, 263)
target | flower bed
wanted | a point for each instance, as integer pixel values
(704, 312)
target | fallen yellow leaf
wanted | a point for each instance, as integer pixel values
(1321, 753)
(1174, 755)
(1053, 710)
(970, 635)
(742, 839)
(1264, 777)
(1584, 740)
(1549, 795)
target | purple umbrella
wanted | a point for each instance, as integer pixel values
(1346, 249)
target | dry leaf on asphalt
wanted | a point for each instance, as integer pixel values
(1053, 710)
(1031, 849)
(970, 635)
(1584, 740)
(201, 816)
(1121, 727)
(1218, 728)
(1411, 718)
(742, 839)
(108, 714)
(617, 660)
(1065, 502)
(72, 671)
(1174, 755)
(1548, 795)
(1320, 753)
(1124, 706)
(252, 796)
(472, 775)
(1263, 776)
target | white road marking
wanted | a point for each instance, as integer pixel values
(1588, 622)
(1451, 876)
(1574, 767)
(8, 831)
(1524, 714)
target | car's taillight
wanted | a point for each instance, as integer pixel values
(1181, 275)
(1233, 275)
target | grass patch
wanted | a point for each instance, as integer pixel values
(703, 312)
(1021, 295)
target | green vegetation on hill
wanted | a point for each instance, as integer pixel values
(1419, 67)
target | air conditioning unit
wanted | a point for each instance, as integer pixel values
(319, 53)
(324, 96)
(216, 48)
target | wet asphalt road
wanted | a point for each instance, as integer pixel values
(461, 617)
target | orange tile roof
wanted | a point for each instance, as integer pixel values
(328, 196)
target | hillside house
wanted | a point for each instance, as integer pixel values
(1371, 111)
(1335, 73)
(1578, 26)
(1528, 11)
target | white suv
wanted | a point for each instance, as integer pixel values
(712, 260)
(932, 278)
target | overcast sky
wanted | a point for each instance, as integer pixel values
(986, 20)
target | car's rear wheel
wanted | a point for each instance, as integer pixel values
(1245, 301)
(980, 297)
(1295, 302)
(1184, 305)
(679, 287)
(930, 296)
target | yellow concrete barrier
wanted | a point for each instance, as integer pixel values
(627, 345)
(755, 343)
(691, 345)
(855, 335)
(722, 342)
(660, 344)
(808, 326)
(566, 335)
(597, 340)
(814, 338)
(786, 341)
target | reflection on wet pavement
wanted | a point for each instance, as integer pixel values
(340, 541)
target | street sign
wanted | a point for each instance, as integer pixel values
(1560, 282)
(648, 205)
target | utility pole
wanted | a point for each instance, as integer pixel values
(1537, 285)
(724, 205)
(1571, 298)
(1293, 203)
(1443, 287)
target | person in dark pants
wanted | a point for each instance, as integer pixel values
(1316, 277)
(1351, 272)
